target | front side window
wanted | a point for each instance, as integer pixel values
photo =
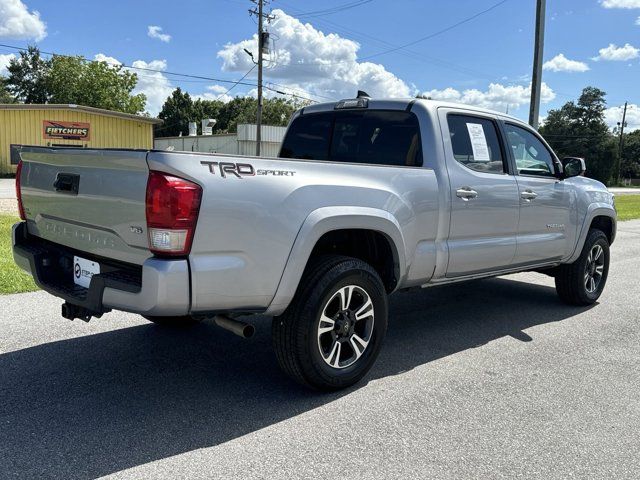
(531, 155)
(476, 144)
(379, 137)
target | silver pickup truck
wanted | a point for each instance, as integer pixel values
(367, 197)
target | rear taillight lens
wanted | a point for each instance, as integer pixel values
(19, 191)
(172, 212)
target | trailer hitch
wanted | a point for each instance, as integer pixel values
(71, 312)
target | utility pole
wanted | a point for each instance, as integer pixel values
(620, 145)
(263, 39)
(536, 78)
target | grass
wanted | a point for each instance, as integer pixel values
(628, 207)
(12, 278)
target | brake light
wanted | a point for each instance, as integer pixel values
(19, 191)
(172, 206)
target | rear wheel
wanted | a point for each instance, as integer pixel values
(332, 332)
(174, 322)
(582, 282)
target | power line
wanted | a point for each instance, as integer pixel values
(164, 72)
(145, 69)
(393, 47)
(236, 84)
(439, 32)
(336, 9)
(300, 90)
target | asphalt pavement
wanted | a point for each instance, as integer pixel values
(489, 379)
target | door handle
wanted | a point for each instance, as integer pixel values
(466, 193)
(528, 195)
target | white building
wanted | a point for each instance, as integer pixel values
(241, 143)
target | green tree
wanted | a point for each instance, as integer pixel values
(64, 79)
(5, 96)
(207, 109)
(176, 112)
(630, 167)
(179, 109)
(275, 111)
(28, 74)
(95, 84)
(578, 129)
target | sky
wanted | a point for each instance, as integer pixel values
(471, 51)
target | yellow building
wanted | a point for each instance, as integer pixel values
(69, 125)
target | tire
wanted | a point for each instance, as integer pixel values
(582, 282)
(305, 341)
(174, 322)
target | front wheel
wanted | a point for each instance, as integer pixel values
(332, 332)
(582, 282)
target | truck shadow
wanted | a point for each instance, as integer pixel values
(94, 405)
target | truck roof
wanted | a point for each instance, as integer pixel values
(403, 103)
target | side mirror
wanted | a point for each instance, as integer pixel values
(573, 167)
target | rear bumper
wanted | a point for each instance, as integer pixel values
(157, 288)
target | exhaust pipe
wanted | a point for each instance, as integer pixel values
(242, 329)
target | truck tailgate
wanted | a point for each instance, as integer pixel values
(89, 200)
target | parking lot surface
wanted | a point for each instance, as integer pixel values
(489, 379)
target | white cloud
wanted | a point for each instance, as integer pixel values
(613, 115)
(620, 3)
(17, 22)
(615, 53)
(101, 57)
(215, 92)
(560, 63)
(324, 65)
(4, 62)
(155, 85)
(155, 31)
(638, 21)
(496, 97)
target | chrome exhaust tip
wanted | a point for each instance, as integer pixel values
(242, 329)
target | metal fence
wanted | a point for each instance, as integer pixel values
(241, 143)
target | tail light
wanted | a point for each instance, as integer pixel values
(172, 206)
(19, 191)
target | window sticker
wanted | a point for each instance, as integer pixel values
(478, 142)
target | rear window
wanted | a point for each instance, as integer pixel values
(381, 137)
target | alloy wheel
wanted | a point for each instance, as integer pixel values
(594, 268)
(346, 326)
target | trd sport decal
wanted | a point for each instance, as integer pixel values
(243, 170)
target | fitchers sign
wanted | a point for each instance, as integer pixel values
(66, 130)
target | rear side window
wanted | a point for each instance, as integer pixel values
(476, 144)
(381, 137)
(308, 137)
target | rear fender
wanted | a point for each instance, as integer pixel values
(327, 219)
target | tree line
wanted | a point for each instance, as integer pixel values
(179, 109)
(74, 80)
(66, 79)
(578, 128)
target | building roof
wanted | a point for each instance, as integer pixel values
(82, 108)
